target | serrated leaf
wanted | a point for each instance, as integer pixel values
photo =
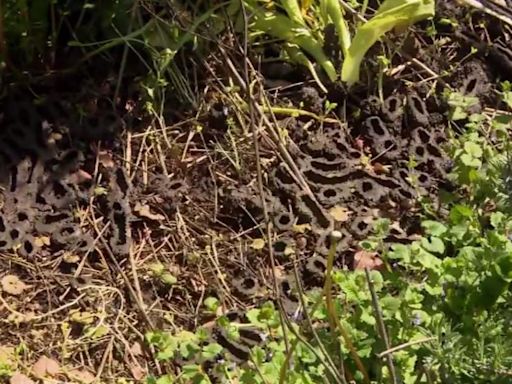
(474, 149)
(211, 350)
(470, 161)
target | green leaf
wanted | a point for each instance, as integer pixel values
(400, 252)
(211, 350)
(435, 244)
(391, 14)
(165, 379)
(168, 278)
(211, 303)
(390, 305)
(507, 98)
(473, 149)
(434, 228)
(497, 219)
(470, 161)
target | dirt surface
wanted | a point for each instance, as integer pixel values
(95, 199)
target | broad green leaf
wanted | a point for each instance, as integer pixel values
(434, 228)
(470, 161)
(391, 14)
(473, 149)
(435, 244)
(211, 350)
(281, 27)
(165, 379)
(401, 252)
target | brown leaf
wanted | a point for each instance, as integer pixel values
(136, 349)
(106, 159)
(137, 372)
(45, 367)
(20, 378)
(81, 376)
(365, 259)
(79, 177)
(13, 285)
(143, 210)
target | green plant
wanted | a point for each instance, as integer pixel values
(443, 301)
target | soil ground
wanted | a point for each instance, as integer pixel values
(128, 220)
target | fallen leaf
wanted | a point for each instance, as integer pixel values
(135, 349)
(301, 228)
(18, 318)
(258, 244)
(339, 213)
(79, 177)
(45, 367)
(70, 258)
(20, 378)
(82, 317)
(365, 259)
(138, 372)
(7, 358)
(13, 285)
(41, 241)
(143, 210)
(82, 376)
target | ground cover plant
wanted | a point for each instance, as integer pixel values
(255, 192)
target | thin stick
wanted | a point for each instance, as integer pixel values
(381, 327)
(405, 345)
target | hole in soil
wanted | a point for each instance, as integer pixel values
(323, 222)
(14, 233)
(3, 243)
(367, 186)
(433, 150)
(279, 246)
(330, 156)
(418, 104)
(329, 193)
(122, 181)
(388, 144)
(59, 190)
(175, 185)
(392, 104)
(470, 86)
(420, 151)
(424, 136)
(405, 193)
(319, 265)
(2, 224)
(116, 206)
(28, 247)
(54, 218)
(22, 216)
(284, 219)
(82, 244)
(376, 124)
(66, 231)
(249, 283)
(362, 226)
(423, 178)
